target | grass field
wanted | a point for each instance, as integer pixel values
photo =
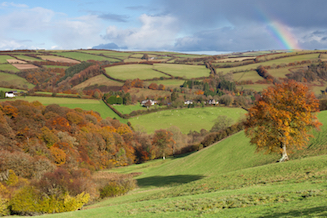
(133, 71)
(27, 58)
(11, 79)
(249, 75)
(228, 179)
(8, 67)
(255, 87)
(128, 60)
(53, 66)
(127, 109)
(121, 55)
(168, 83)
(270, 63)
(3, 59)
(85, 104)
(187, 71)
(148, 92)
(100, 80)
(84, 57)
(186, 119)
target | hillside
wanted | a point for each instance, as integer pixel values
(227, 179)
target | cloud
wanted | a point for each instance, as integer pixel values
(114, 17)
(8, 4)
(156, 32)
(47, 27)
(78, 32)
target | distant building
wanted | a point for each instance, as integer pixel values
(188, 102)
(10, 94)
(213, 101)
(153, 102)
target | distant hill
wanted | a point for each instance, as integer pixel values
(108, 46)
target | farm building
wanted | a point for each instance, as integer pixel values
(212, 101)
(153, 102)
(188, 102)
(10, 94)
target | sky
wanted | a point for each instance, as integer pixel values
(164, 25)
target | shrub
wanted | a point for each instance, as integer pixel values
(118, 187)
(29, 201)
(4, 211)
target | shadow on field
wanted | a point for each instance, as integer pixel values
(312, 212)
(160, 181)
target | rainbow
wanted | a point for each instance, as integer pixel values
(280, 32)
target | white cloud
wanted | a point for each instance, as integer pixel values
(8, 4)
(48, 27)
(156, 32)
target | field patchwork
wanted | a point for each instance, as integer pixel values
(84, 57)
(186, 119)
(185, 71)
(99, 80)
(134, 71)
(11, 79)
(58, 59)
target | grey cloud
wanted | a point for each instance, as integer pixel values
(300, 13)
(114, 17)
(227, 39)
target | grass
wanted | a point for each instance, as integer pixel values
(186, 119)
(3, 59)
(53, 66)
(99, 80)
(168, 83)
(228, 179)
(84, 57)
(187, 71)
(281, 72)
(85, 104)
(270, 63)
(255, 87)
(8, 67)
(249, 75)
(122, 55)
(133, 71)
(127, 109)
(27, 58)
(9, 89)
(139, 92)
(11, 79)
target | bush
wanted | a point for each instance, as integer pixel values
(4, 211)
(118, 187)
(29, 201)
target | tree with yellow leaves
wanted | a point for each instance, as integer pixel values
(282, 118)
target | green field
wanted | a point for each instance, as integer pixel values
(8, 67)
(85, 104)
(133, 71)
(255, 87)
(228, 179)
(3, 59)
(249, 75)
(27, 58)
(84, 57)
(99, 80)
(139, 92)
(270, 63)
(186, 119)
(121, 55)
(187, 71)
(168, 83)
(127, 109)
(53, 66)
(11, 79)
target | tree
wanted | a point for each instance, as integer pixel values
(221, 123)
(163, 140)
(282, 118)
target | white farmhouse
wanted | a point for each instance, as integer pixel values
(10, 94)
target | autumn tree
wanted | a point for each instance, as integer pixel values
(282, 118)
(163, 140)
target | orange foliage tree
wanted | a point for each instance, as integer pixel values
(153, 86)
(282, 118)
(163, 139)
